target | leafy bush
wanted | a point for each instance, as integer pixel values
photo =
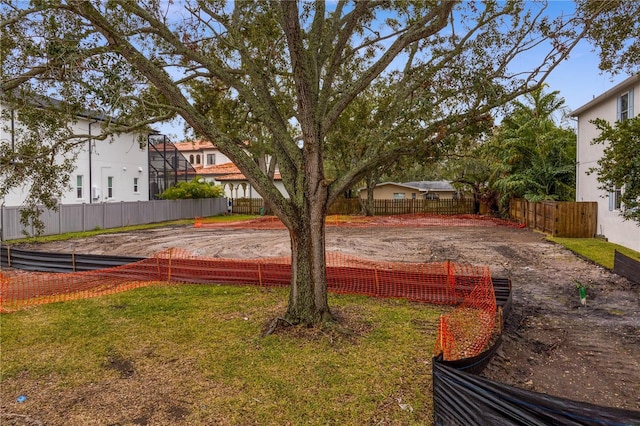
(196, 188)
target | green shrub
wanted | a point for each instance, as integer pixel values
(196, 188)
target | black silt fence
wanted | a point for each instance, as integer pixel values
(461, 398)
(59, 262)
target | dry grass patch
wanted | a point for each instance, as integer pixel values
(194, 355)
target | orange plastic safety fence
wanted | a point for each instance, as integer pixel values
(465, 331)
(468, 329)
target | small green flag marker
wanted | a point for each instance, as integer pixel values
(583, 295)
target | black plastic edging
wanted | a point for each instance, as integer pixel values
(460, 398)
(59, 262)
(626, 267)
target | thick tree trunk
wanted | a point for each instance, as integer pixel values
(308, 293)
(371, 185)
(368, 205)
(476, 200)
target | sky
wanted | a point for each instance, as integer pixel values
(578, 78)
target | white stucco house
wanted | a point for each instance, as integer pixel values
(213, 166)
(615, 104)
(105, 170)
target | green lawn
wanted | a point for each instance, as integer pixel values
(595, 249)
(100, 231)
(194, 354)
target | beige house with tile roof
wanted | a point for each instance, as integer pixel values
(213, 166)
(201, 153)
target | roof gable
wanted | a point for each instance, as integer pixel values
(399, 185)
(197, 145)
(432, 185)
(225, 171)
(614, 91)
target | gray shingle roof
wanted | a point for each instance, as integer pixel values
(432, 185)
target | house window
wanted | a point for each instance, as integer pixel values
(398, 195)
(191, 158)
(625, 106)
(615, 199)
(198, 159)
(431, 196)
(135, 185)
(413, 195)
(211, 159)
(110, 187)
(79, 186)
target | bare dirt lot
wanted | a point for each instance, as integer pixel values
(552, 344)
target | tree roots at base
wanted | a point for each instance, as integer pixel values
(330, 325)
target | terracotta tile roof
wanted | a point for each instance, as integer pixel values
(216, 169)
(240, 176)
(223, 169)
(197, 145)
(234, 176)
(226, 171)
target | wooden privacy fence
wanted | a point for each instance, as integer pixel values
(345, 206)
(247, 206)
(348, 206)
(559, 218)
(442, 207)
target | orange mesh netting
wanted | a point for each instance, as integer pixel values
(463, 332)
(467, 330)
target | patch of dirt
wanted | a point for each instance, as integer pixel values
(551, 343)
(122, 365)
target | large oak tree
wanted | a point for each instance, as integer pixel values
(291, 68)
